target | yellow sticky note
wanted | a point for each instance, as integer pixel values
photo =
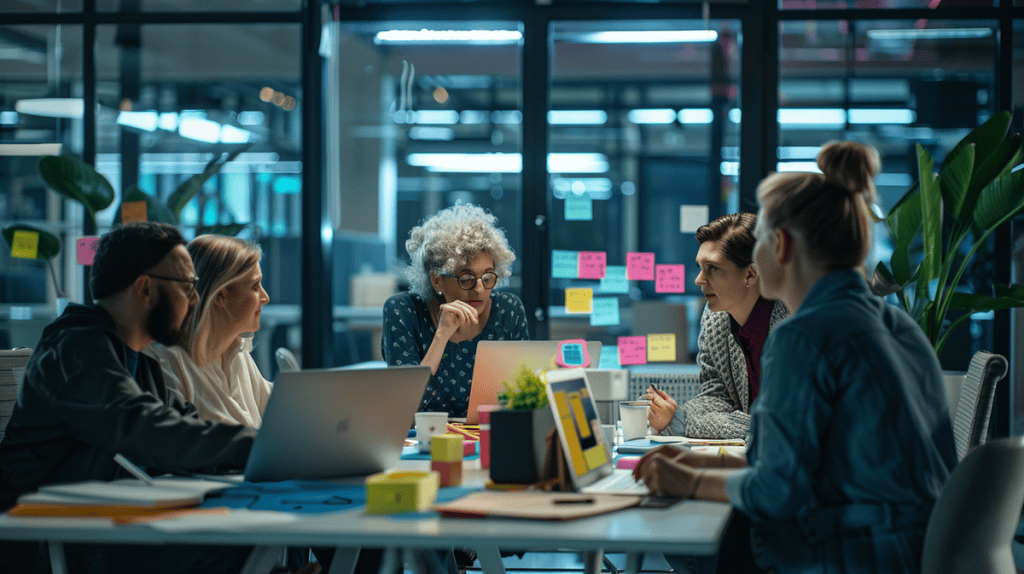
(25, 244)
(579, 300)
(661, 347)
(133, 211)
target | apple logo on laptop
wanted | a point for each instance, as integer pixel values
(342, 425)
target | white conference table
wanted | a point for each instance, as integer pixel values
(689, 527)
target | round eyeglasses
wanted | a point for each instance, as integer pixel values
(193, 282)
(468, 281)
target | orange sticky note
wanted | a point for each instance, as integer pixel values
(133, 211)
(579, 300)
(25, 244)
(661, 347)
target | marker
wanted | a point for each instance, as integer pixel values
(573, 501)
(134, 470)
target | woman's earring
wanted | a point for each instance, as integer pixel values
(748, 283)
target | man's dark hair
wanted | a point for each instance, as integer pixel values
(127, 252)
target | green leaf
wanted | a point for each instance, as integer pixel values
(231, 229)
(49, 246)
(1000, 200)
(904, 221)
(76, 180)
(1006, 297)
(955, 179)
(931, 214)
(191, 186)
(1002, 160)
(882, 282)
(985, 138)
(155, 211)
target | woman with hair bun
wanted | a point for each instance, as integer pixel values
(457, 257)
(850, 440)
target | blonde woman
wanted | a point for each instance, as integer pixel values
(211, 366)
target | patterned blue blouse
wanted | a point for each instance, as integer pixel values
(409, 330)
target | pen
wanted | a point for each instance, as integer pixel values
(573, 501)
(134, 470)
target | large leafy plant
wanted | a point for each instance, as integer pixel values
(949, 215)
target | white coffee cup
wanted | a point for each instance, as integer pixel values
(633, 415)
(429, 424)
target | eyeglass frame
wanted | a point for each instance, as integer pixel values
(475, 279)
(193, 281)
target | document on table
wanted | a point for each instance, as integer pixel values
(233, 520)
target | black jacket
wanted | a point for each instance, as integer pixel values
(79, 406)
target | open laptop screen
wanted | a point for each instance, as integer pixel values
(579, 426)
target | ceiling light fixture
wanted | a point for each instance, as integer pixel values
(52, 107)
(930, 34)
(643, 37)
(425, 36)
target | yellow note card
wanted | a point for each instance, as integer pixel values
(25, 244)
(579, 300)
(133, 211)
(661, 347)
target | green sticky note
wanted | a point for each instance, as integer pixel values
(605, 311)
(614, 280)
(579, 207)
(609, 358)
(565, 264)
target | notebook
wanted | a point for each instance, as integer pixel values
(498, 361)
(335, 423)
(588, 458)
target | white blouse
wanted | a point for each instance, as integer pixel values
(231, 390)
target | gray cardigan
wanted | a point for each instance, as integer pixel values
(721, 408)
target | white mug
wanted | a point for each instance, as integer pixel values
(429, 424)
(633, 415)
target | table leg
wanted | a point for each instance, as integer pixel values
(344, 561)
(592, 561)
(57, 562)
(634, 562)
(490, 559)
(262, 559)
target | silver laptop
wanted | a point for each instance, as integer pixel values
(589, 459)
(498, 361)
(334, 423)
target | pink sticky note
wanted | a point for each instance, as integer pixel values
(592, 264)
(670, 279)
(86, 249)
(640, 266)
(633, 350)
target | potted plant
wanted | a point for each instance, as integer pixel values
(519, 430)
(950, 215)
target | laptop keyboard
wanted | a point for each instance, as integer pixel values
(621, 482)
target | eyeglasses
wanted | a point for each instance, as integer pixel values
(193, 282)
(468, 281)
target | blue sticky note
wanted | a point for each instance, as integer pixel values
(614, 280)
(579, 207)
(609, 358)
(605, 311)
(565, 264)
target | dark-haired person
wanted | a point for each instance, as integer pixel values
(733, 329)
(851, 439)
(89, 394)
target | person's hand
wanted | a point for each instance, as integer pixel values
(663, 408)
(668, 477)
(453, 315)
(667, 451)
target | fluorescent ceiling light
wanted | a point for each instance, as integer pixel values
(433, 117)
(168, 121)
(231, 134)
(652, 116)
(199, 129)
(431, 133)
(250, 118)
(474, 117)
(425, 36)
(735, 115)
(8, 118)
(805, 166)
(506, 162)
(798, 152)
(645, 37)
(730, 168)
(930, 34)
(513, 117)
(146, 121)
(52, 107)
(39, 149)
(812, 116)
(577, 117)
(598, 188)
(869, 116)
(696, 116)
(577, 163)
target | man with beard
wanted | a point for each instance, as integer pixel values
(89, 394)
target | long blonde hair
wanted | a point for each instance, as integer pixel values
(219, 261)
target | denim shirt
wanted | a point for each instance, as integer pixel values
(850, 439)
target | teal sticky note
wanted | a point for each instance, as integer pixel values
(579, 207)
(605, 311)
(614, 280)
(565, 264)
(609, 358)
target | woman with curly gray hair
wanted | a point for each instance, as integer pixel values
(457, 257)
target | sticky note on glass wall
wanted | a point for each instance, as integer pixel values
(606, 311)
(640, 266)
(614, 280)
(579, 300)
(579, 207)
(85, 247)
(25, 244)
(670, 279)
(609, 358)
(565, 264)
(133, 211)
(633, 350)
(661, 347)
(691, 217)
(592, 264)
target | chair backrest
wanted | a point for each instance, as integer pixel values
(974, 406)
(974, 521)
(12, 370)
(286, 360)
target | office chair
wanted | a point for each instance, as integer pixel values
(974, 405)
(974, 521)
(12, 368)
(286, 360)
